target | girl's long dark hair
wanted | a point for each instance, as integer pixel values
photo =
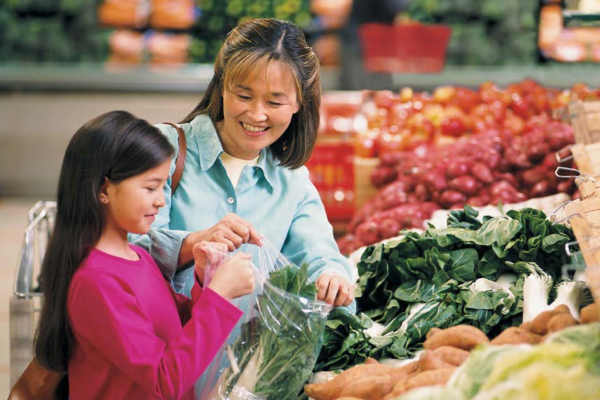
(117, 146)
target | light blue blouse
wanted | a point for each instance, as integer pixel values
(282, 204)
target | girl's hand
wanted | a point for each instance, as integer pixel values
(204, 252)
(234, 277)
(334, 289)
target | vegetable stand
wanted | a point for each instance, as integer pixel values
(584, 213)
(26, 301)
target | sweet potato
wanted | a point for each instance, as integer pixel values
(589, 314)
(401, 372)
(432, 332)
(514, 335)
(331, 390)
(371, 361)
(560, 322)
(430, 360)
(427, 378)
(464, 337)
(539, 324)
(562, 309)
(368, 388)
(349, 398)
(526, 326)
(452, 355)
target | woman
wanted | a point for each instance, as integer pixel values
(247, 142)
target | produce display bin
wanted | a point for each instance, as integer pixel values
(412, 47)
(25, 303)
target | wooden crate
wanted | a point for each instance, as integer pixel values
(587, 159)
(584, 116)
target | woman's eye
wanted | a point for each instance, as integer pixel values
(242, 97)
(275, 104)
(151, 189)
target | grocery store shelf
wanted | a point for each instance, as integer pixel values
(558, 76)
(96, 77)
(195, 78)
(580, 16)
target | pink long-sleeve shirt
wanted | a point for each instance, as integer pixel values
(135, 338)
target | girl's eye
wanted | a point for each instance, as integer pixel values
(242, 97)
(151, 189)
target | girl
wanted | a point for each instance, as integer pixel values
(247, 142)
(109, 317)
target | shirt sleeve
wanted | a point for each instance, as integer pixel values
(310, 238)
(104, 312)
(162, 243)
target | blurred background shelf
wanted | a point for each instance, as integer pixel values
(194, 78)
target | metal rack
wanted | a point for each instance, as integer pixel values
(26, 301)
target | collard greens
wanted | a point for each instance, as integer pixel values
(451, 272)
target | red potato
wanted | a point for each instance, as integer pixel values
(458, 167)
(541, 189)
(482, 172)
(537, 151)
(465, 184)
(566, 186)
(389, 228)
(448, 198)
(368, 232)
(532, 176)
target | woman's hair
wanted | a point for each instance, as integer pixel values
(251, 47)
(113, 146)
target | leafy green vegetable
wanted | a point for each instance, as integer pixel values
(277, 350)
(449, 270)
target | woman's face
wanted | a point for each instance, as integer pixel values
(257, 111)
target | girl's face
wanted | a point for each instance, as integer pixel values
(257, 111)
(132, 205)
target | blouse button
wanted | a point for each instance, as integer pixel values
(231, 200)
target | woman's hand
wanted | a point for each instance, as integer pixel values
(334, 289)
(232, 231)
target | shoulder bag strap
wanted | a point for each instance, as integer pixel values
(180, 160)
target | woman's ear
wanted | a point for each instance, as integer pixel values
(104, 191)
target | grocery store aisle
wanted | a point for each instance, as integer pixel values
(13, 221)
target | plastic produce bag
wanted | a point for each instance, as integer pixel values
(276, 347)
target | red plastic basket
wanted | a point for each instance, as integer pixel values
(412, 48)
(331, 170)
